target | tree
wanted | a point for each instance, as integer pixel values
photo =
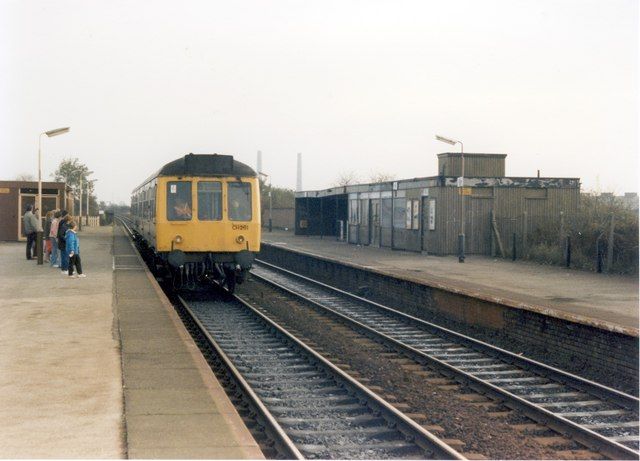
(345, 179)
(280, 196)
(381, 176)
(25, 177)
(71, 171)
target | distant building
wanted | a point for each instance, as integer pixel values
(424, 214)
(16, 195)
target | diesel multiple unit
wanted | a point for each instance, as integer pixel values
(199, 217)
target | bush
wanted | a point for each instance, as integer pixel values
(588, 231)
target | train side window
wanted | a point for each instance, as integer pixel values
(209, 201)
(239, 201)
(179, 201)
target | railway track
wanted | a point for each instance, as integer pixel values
(600, 418)
(312, 408)
(306, 407)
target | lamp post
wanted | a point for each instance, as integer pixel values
(461, 237)
(50, 134)
(270, 202)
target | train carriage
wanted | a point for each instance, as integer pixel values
(199, 217)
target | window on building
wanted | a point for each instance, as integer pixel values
(364, 212)
(385, 218)
(399, 213)
(209, 201)
(354, 216)
(179, 201)
(239, 201)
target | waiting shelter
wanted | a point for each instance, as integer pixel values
(425, 214)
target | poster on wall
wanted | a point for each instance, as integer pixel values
(432, 214)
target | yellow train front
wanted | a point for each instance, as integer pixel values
(199, 217)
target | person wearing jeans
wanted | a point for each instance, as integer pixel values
(73, 249)
(53, 238)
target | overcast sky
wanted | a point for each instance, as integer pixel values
(354, 85)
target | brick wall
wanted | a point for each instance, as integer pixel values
(595, 353)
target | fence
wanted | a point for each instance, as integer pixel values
(600, 236)
(90, 221)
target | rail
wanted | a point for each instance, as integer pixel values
(601, 418)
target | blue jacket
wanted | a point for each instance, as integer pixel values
(73, 244)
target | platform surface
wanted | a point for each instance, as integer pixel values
(604, 300)
(101, 367)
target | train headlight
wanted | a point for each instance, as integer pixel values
(240, 239)
(178, 239)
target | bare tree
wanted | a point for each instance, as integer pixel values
(381, 176)
(25, 177)
(345, 179)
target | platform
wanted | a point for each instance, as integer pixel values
(604, 300)
(102, 367)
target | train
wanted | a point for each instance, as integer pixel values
(198, 218)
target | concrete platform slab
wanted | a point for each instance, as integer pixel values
(600, 299)
(60, 386)
(84, 360)
(174, 406)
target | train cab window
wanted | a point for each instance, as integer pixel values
(209, 201)
(179, 201)
(239, 201)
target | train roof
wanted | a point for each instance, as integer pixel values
(206, 165)
(203, 165)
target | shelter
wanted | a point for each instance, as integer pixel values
(425, 214)
(16, 195)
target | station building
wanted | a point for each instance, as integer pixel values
(425, 214)
(16, 195)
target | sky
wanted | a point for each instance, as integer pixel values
(355, 86)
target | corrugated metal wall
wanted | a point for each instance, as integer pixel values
(479, 165)
(509, 206)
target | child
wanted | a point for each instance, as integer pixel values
(73, 250)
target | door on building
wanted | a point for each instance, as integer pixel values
(49, 202)
(374, 222)
(424, 223)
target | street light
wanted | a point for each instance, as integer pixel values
(461, 242)
(50, 134)
(270, 200)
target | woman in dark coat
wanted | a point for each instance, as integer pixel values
(62, 245)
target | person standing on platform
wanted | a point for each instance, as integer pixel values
(62, 229)
(47, 240)
(53, 238)
(31, 226)
(73, 250)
